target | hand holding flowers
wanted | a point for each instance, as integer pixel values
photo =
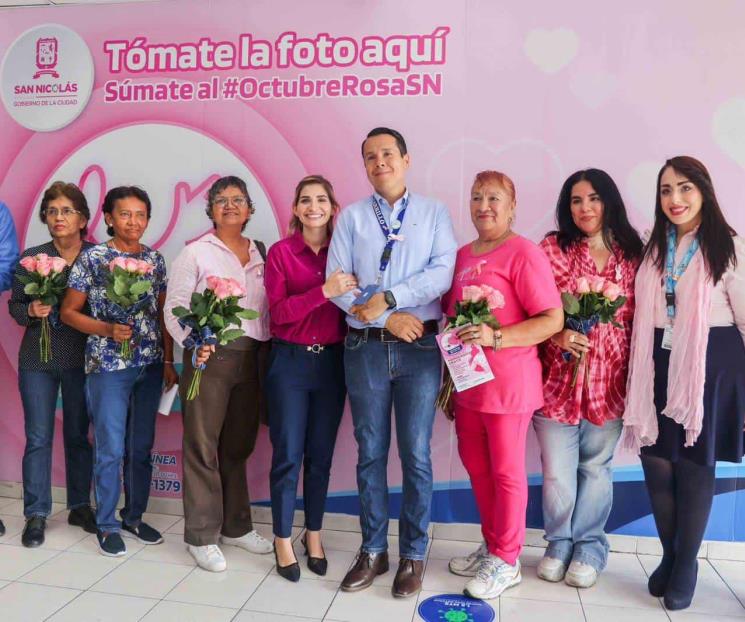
(127, 292)
(595, 300)
(210, 316)
(475, 324)
(45, 283)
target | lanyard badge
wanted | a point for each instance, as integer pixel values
(672, 276)
(392, 236)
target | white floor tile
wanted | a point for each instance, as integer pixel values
(342, 540)
(161, 522)
(258, 616)
(6, 501)
(445, 549)
(531, 587)
(620, 590)
(437, 578)
(15, 508)
(687, 616)
(13, 526)
(90, 545)
(97, 607)
(145, 579)
(522, 610)
(713, 596)
(177, 527)
(733, 574)
(179, 612)
(28, 603)
(17, 560)
(58, 536)
(74, 570)
(305, 598)
(230, 589)
(238, 559)
(596, 613)
(171, 551)
(371, 605)
(531, 555)
(624, 564)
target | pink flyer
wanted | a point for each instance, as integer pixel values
(466, 363)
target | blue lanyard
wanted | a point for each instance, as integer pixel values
(672, 273)
(389, 233)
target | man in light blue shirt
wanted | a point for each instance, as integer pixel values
(401, 247)
(8, 260)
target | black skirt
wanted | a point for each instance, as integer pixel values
(722, 436)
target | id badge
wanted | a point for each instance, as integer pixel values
(366, 294)
(667, 338)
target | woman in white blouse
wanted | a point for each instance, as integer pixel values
(221, 423)
(686, 392)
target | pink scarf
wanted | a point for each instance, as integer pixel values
(687, 371)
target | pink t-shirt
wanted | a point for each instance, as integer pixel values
(521, 272)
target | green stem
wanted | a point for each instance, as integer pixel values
(194, 385)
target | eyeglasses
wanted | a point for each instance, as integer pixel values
(222, 202)
(65, 212)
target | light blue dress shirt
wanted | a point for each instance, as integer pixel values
(421, 265)
(8, 248)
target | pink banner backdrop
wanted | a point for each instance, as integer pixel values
(272, 90)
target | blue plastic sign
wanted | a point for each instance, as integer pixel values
(455, 608)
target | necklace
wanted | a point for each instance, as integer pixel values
(112, 244)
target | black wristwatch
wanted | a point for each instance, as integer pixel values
(390, 299)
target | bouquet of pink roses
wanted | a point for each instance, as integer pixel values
(128, 292)
(210, 316)
(594, 301)
(474, 308)
(45, 282)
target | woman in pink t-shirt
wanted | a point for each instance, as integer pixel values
(492, 419)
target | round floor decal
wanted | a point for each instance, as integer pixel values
(455, 608)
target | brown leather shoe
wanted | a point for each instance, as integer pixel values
(408, 579)
(366, 567)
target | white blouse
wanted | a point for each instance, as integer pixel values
(727, 297)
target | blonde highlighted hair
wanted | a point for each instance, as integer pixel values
(295, 224)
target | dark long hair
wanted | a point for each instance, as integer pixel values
(714, 234)
(616, 226)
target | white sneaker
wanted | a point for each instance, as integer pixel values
(492, 578)
(467, 566)
(209, 557)
(580, 575)
(551, 569)
(253, 542)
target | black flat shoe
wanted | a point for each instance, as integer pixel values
(83, 517)
(319, 565)
(290, 572)
(33, 532)
(657, 584)
(680, 588)
(2, 528)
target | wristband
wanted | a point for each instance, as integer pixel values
(497, 344)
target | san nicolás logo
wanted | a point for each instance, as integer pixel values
(46, 77)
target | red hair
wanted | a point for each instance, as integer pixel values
(495, 177)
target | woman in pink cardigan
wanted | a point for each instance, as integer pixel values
(685, 404)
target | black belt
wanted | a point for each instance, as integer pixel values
(316, 348)
(386, 336)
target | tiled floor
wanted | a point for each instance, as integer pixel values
(67, 579)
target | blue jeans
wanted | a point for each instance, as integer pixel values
(577, 487)
(39, 390)
(305, 393)
(406, 376)
(123, 407)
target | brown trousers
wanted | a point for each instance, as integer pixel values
(220, 429)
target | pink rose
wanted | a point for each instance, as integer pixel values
(117, 262)
(144, 267)
(236, 289)
(583, 285)
(494, 297)
(131, 264)
(611, 291)
(29, 263)
(223, 290)
(597, 285)
(58, 264)
(43, 266)
(213, 282)
(472, 293)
